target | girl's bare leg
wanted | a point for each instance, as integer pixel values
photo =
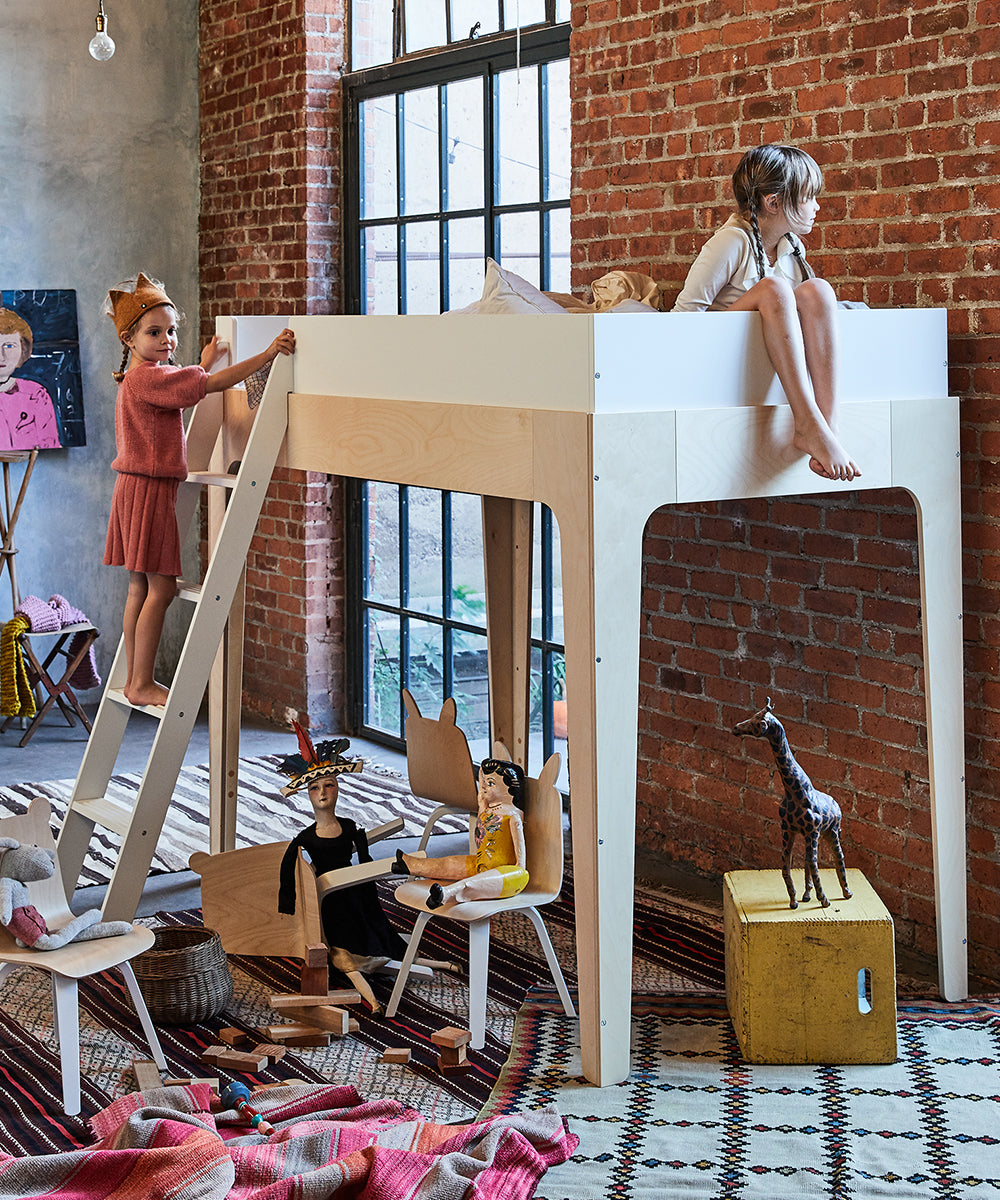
(816, 304)
(783, 338)
(138, 589)
(142, 688)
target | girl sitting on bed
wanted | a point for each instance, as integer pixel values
(756, 262)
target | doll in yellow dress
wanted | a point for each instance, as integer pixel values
(499, 867)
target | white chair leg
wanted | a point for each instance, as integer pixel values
(479, 965)
(142, 1012)
(550, 957)
(408, 957)
(66, 1022)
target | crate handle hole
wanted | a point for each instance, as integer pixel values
(864, 990)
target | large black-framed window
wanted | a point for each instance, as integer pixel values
(450, 158)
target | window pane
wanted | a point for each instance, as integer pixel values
(425, 550)
(378, 158)
(463, 130)
(517, 244)
(562, 10)
(470, 687)
(557, 596)
(379, 270)
(536, 708)
(382, 536)
(425, 25)
(556, 82)
(531, 12)
(557, 221)
(422, 249)
(371, 33)
(468, 590)
(426, 665)
(466, 13)
(466, 263)
(420, 151)
(517, 179)
(383, 683)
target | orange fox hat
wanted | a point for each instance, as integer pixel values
(128, 307)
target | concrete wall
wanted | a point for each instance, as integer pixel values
(100, 179)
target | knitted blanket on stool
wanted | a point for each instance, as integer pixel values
(34, 615)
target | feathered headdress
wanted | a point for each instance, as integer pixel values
(316, 762)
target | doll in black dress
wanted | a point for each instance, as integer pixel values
(355, 926)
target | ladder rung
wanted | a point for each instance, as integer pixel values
(212, 479)
(102, 810)
(118, 696)
(188, 591)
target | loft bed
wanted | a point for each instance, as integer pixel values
(606, 418)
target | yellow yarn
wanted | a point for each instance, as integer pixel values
(16, 697)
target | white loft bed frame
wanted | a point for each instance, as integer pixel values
(604, 419)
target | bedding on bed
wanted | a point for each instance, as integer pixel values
(504, 293)
(327, 1141)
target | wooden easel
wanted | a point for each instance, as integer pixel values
(8, 518)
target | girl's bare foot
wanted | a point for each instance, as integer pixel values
(827, 457)
(155, 694)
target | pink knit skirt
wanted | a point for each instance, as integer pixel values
(142, 529)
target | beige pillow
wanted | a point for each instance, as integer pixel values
(505, 292)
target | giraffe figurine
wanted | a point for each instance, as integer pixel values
(803, 809)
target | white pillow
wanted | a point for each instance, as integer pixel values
(630, 306)
(505, 292)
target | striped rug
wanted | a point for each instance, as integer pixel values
(263, 815)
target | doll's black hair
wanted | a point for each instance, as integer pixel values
(510, 773)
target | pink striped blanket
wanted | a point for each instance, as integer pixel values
(326, 1142)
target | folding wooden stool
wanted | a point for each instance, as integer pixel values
(39, 673)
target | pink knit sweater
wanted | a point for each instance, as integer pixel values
(148, 427)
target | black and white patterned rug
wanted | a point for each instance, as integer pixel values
(694, 1120)
(263, 815)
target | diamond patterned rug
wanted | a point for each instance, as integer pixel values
(694, 1120)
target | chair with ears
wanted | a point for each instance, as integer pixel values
(543, 838)
(74, 961)
(438, 763)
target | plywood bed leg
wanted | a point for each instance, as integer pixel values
(507, 541)
(925, 460)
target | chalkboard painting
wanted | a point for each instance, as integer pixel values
(41, 393)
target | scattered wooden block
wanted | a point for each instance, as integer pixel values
(233, 1060)
(315, 976)
(353, 1025)
(452, 1037)
(235, 1037)
(453, 1057)
(323, 1016)
(265, 1087)
(296, 1034)
(448, 1068)
(396, 1054)
(272, 1051)
(285, 1000)
(147, 1074)
(211, 1080)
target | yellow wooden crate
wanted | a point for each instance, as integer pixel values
(810, 984)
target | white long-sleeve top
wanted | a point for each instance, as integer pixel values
(726, 269)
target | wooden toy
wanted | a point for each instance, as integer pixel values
(147, 1074)
(296, 1034)
(451, 1037)
(315, 969)
(323, 1016)
(396, 1054)
(285, 1000)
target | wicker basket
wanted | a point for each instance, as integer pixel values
(185, 977)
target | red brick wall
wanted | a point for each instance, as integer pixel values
(813, 602)
(270, 228)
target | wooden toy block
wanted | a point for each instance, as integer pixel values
(285, 1000)
(353, 1025)
(396, 1054)
(211, 1080)
(235, 1037)
(811, 984)
(450, 1068)
(323, 1016)
(453, 1057)
(315, 975)
(273, 1051)
(296, 1034)
(147, 1074)
(452, 1037)
(233, 1060)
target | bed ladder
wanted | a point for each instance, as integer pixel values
(139, 826)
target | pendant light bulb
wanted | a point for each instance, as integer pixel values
(101, 46)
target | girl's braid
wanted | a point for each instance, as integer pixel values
(119, 375)
(757, 241)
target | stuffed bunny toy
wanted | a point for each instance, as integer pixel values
(21, 865)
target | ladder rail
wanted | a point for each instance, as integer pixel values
(191, 675)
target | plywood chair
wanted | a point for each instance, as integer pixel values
(239, 899)
(438, 763)
(73, 962)
(543, 838)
